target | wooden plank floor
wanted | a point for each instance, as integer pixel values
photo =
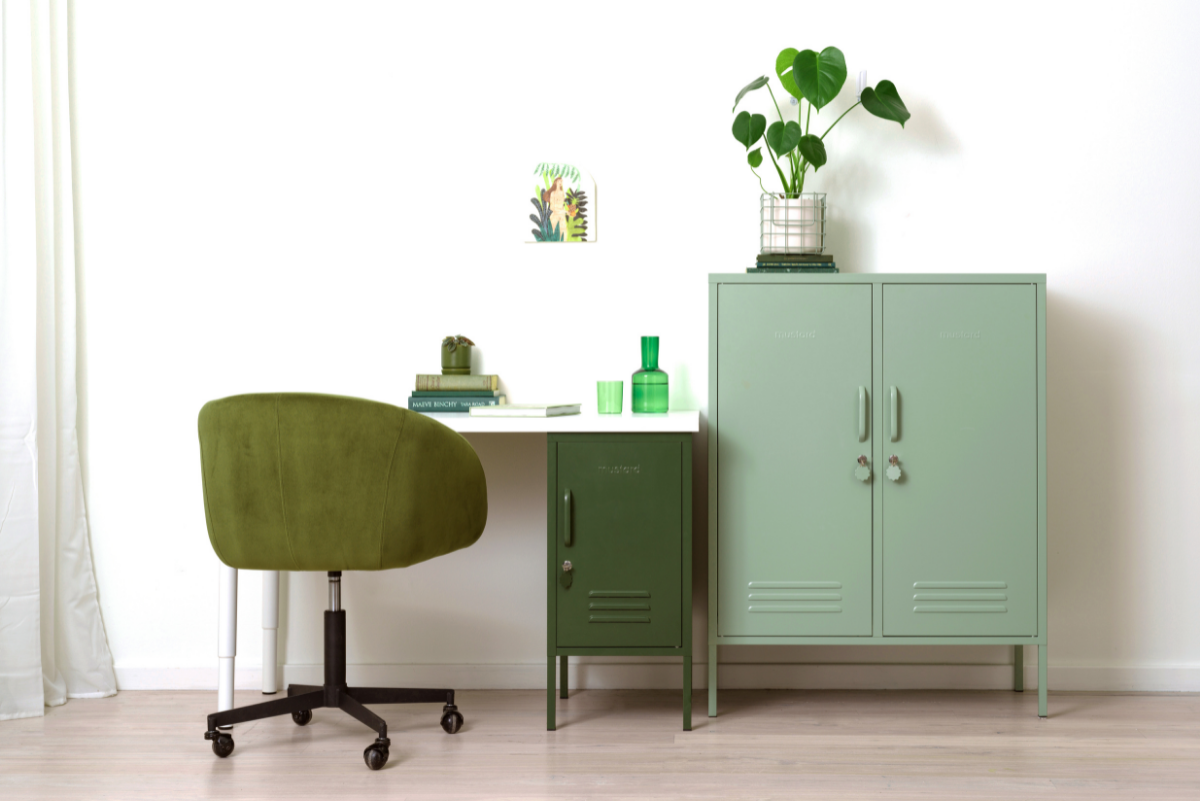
(625, 744)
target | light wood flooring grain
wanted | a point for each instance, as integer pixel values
(613, 744)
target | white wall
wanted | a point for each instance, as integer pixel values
(308, 196)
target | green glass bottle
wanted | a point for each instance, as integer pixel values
(649, 383)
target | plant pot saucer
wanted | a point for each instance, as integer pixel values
(456, 371)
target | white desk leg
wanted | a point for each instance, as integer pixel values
(270, 624)
(226, 637)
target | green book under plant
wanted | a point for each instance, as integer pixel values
(457, 382)
(456, 393)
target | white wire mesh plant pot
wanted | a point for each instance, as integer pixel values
(792, 224)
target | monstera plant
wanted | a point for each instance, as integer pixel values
(813, 79)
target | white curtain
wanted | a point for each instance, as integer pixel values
(52, 643)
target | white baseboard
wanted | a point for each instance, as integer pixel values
(631, 675)
(195, 678)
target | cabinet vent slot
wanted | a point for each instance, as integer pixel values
(803, 597)
(960, 596)
(622, 610)
(962, 608)
(758, 607)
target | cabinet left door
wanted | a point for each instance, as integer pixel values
(794, 520)
(619, 523)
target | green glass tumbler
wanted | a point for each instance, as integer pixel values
(609, 396)
(649, 383)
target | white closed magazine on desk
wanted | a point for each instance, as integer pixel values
(526, 410)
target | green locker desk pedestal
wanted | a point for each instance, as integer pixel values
(877, 462)
(619, 570)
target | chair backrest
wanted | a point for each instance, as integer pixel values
(296, 481)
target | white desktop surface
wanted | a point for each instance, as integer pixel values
(585, 423)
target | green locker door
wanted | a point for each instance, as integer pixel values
(621, 530)
(960, 526)
(794, 521)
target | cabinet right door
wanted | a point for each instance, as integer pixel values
(960, 523)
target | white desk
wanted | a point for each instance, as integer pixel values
(589, 423)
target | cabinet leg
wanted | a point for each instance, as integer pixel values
(712, 681)
(550, 696)
(1042, 688)
(687, 693)
(1018, 668)
(562, 676)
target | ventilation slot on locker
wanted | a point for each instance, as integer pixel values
(960, 596)
(619, 606)
(795, 596)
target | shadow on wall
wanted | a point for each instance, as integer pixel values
(855, 179)
(1097, 595)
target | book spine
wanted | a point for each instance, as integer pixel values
(791, 270)
(449, 404)
(807, 265)
(455, 393)
(432, 382)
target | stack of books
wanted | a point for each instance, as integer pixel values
(794, 263)
(455, 393)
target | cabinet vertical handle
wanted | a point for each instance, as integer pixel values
(567, 517)
(895, 432)
(862, 413)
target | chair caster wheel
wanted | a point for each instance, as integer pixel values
(222, 743)
(376, 754)
(452, 719)
(302, 717)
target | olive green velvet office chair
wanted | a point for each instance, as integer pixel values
(320, 482)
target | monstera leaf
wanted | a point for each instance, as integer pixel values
(748, 128)
(819, 76)
(783, 68)
(813, 149)
(757, 83)
(783, 138)
(754, 158)
(884, 101)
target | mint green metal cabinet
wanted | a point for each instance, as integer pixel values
(619, 577)
(877, 467)
(795, 367)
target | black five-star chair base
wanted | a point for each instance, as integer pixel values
(304, 698)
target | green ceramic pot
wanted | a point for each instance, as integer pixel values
(457, 361)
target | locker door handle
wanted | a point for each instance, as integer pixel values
(567, 517)
(862, 413)
(895, 432)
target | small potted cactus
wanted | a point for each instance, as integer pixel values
(456, 355)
